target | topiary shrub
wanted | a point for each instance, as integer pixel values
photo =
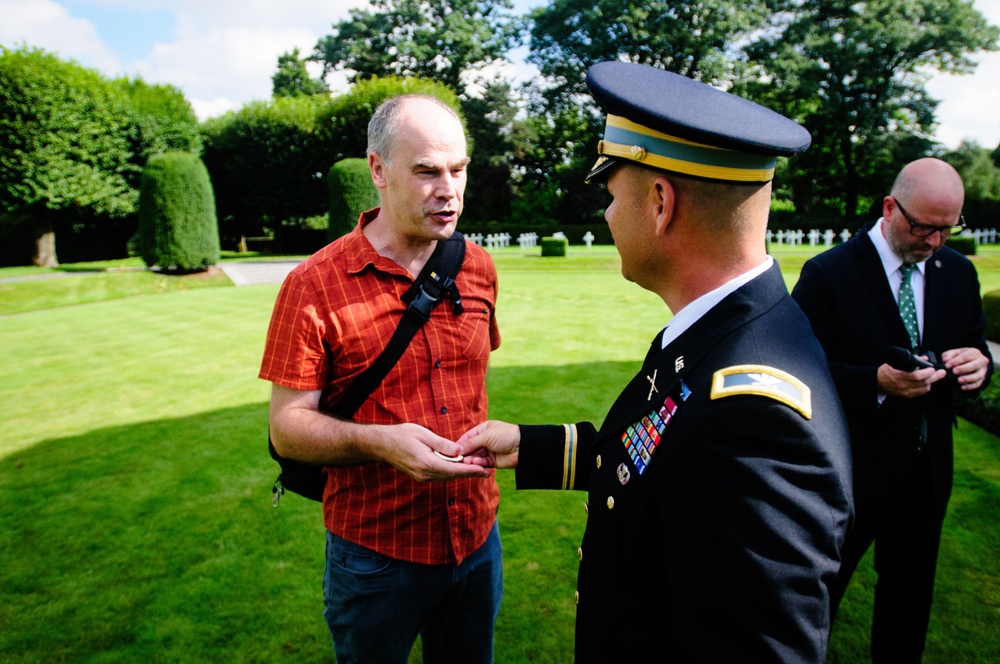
(554, 246)
(178, 230)
(991, 308)
(351, 193)
(983, 410)
(963, 244)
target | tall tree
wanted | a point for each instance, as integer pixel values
(268, 164)
(64, 146)
(490, 119)
(981, 177)
(292, 78)
(853, 73)
(695, 39)
(162, 120)
(445, 41)
(343, 123)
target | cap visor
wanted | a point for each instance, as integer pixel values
(601, 169)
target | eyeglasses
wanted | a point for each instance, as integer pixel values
(927, 230)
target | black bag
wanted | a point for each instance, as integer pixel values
(434, 282)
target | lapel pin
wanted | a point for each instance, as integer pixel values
(678, 364)
(652, 385)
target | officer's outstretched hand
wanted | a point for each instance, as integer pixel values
(422, 454)
(492, 444)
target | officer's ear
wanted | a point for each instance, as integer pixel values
(664, 201)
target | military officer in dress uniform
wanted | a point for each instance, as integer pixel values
(719, 482)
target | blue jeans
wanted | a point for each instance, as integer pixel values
(376, 606)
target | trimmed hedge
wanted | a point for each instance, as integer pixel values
(963, 244)
(554, 246)
(351, 193)
(983, 410)
(178, 229)
(991, 308)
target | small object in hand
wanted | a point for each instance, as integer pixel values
(448, 458)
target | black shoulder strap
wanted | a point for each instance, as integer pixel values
(434, 283)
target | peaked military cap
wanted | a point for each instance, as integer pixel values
(670, 122)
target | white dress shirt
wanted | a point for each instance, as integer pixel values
(694, 310)
(891, 262)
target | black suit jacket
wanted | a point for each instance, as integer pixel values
(846, 295)
(720, 546)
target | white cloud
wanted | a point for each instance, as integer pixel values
(222, 53)
(969, 104)
(47, 24)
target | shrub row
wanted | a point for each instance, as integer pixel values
(983, 410)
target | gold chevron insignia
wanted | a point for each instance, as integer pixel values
(762, 381)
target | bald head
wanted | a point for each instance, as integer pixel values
(384, 126)
(933, 184)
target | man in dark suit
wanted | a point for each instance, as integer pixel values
(900, 416)
(719, 482)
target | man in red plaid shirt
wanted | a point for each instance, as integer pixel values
(412, 542)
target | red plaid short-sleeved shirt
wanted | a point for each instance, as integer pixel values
(334, 315)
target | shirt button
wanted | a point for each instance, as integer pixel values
(451, 502)
(444, 410)
(437, 365)
(611, 502)
(598, 461)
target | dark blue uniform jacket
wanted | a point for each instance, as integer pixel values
(718, 502)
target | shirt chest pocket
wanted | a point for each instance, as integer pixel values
(465, 337)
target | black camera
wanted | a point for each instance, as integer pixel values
(904, 360)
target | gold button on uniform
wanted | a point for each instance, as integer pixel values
(611, 502)
(586, 509)
(576, 596)
(579, 552)
(598, 461)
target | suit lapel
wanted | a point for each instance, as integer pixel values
(933, 294)
(874, 277)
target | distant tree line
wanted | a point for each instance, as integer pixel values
(73, 143)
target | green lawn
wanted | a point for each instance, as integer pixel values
(135, 506)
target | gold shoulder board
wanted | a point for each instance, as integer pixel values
(762, 381)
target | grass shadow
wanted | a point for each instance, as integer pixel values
(157, 542)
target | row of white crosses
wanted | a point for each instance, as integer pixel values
(983, 235)
(781, 237)
(524, 240)
(793, 238)
(527, 240)
(493, 240)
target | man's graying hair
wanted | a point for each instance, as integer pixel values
(382, 127)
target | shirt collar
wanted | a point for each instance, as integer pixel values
(694, 310)
(890, 259)
(358, 250)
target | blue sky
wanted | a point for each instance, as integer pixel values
(222, 53)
